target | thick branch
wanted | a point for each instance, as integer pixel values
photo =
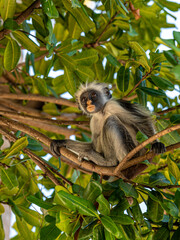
(72, 159)
(143, 144)
(33, 97)
(42, 120)
(21, 127)
(25, 14)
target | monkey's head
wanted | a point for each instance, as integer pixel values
(92, 97)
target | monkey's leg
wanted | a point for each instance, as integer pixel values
(84, 150)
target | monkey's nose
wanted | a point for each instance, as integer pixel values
(89, 102)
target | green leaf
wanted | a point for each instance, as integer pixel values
(123, 76)
(26, 42)
(141, 95)
(98, 232)
(110, 226)
(128, 189)
(161, 234)
(176, 234)
(173, 6)
(23, 229)
(154, 210)
(175, 118)
(92, 191)
(70, 45)
(40, 85)
(121, 4)
(49, 232)
(176, 71)
(162, 83)
(49, 8)
(171, 57)
(81, 18)
(170, 208)
(10, 24)
(109, 235)
(17, 146)
(103, 207)
(32, 217)
(141, 53)
(34, 145)
(70, 81)
(169, 138)
(7, 9)
(39, 25)
(113, 60)
(122, 219)
(11, 55)
(153, 92)
(8, 178)
(84, 73)
(75, 203)
(1, 209)
(68, 62)
(158, 179)
(137, 213)
(87, 57)
(176, 36)
(39, 202)
(173, 168)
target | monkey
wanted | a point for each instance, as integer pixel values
(114, 124)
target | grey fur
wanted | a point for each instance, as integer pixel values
(114, 125)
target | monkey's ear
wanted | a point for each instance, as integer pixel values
(107, 93)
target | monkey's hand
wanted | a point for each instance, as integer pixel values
(56, 145)
(158, 147)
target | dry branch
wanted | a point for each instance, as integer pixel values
(33, 97)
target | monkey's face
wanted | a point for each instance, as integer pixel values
(92, 101)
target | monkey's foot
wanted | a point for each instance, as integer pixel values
(56, 145)
(158, 147)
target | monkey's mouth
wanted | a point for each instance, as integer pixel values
(90, 108)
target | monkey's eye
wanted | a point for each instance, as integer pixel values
(93, 95)
(83, 99)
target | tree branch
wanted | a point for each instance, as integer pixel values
(72, 159)
(33, 97)
(168, 110)
(25, 14)
(143, 144)
(42, 120)
(142, 79)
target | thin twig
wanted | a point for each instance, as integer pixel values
(168, 110)
(142, 79)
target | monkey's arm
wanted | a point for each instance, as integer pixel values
(83, 149)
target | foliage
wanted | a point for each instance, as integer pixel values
(66, 43)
